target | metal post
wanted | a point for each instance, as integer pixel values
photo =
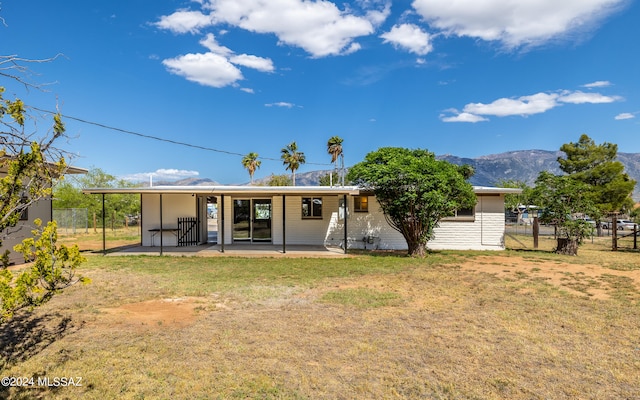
(104, 230)
(614, 234)
(161, 243)
(346, 244)
(221, 229)
(284, 225)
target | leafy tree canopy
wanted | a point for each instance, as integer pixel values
(68, 194)
(29, 164)
(415, 190)
(597, 166)
(279, 180)
(561, 198)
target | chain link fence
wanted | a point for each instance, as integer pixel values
(72, 220)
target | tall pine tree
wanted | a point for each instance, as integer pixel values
(598, 167)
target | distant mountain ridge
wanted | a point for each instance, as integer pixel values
(525, 165)
(521, 165)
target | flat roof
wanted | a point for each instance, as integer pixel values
(263, 190)
(230, 190)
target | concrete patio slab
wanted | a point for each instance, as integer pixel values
(234, 250)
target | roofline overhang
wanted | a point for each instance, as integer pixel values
(230, 190)
(495, 190)
(266, 190)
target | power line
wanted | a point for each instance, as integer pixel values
(171, 141)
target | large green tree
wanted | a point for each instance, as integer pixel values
(292, 158)
(597, 167)
(68, 194)
(415, 190)
(561, 197)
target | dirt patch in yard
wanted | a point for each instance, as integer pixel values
(583, 279)
(174, 312)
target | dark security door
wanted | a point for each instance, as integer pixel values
(261, 224)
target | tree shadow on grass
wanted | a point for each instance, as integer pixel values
(28, 334)
(23, 337)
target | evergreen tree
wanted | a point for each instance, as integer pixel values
(597, 166)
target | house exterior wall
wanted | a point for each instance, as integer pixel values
(486, 232)
(41, 209)
(372, 224)
(174, 206)
(299, 230)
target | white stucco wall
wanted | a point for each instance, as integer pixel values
(174, 206)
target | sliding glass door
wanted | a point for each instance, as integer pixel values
(252, 220)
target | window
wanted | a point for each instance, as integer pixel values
(312, 207)
(361, 203)
(463, 214)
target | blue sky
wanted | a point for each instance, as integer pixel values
(465, 77)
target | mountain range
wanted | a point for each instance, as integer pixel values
(521, 165)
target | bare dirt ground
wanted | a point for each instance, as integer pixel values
(583, 280)
(555, 273)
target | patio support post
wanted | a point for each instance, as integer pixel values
(346, 244)
(284, 225)
(221, 230)
(104, 231)
(161, 224)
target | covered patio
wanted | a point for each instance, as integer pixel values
(249, 220)
(232, 250)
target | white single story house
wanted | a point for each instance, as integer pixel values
(41, 209)
(302, 215)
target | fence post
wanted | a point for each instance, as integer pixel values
(614, 234)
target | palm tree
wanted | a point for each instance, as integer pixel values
(292, 158)
(251, 163)
(334, 147)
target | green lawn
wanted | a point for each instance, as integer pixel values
(453, 325)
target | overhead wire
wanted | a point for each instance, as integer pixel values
(160, 139)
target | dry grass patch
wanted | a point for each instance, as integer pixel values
(458, 325)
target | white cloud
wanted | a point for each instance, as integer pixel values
(579, 97)
(515, 23)
(319, 27)
(248, 90)
(255, 62)
(207, 69)
(525, 105)
(283, 104)
(169, 174)
(183, 21)
(622, 116)
(463, 117)
(597, 84)
(217, 68)
(409, 37)
(212, 44)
